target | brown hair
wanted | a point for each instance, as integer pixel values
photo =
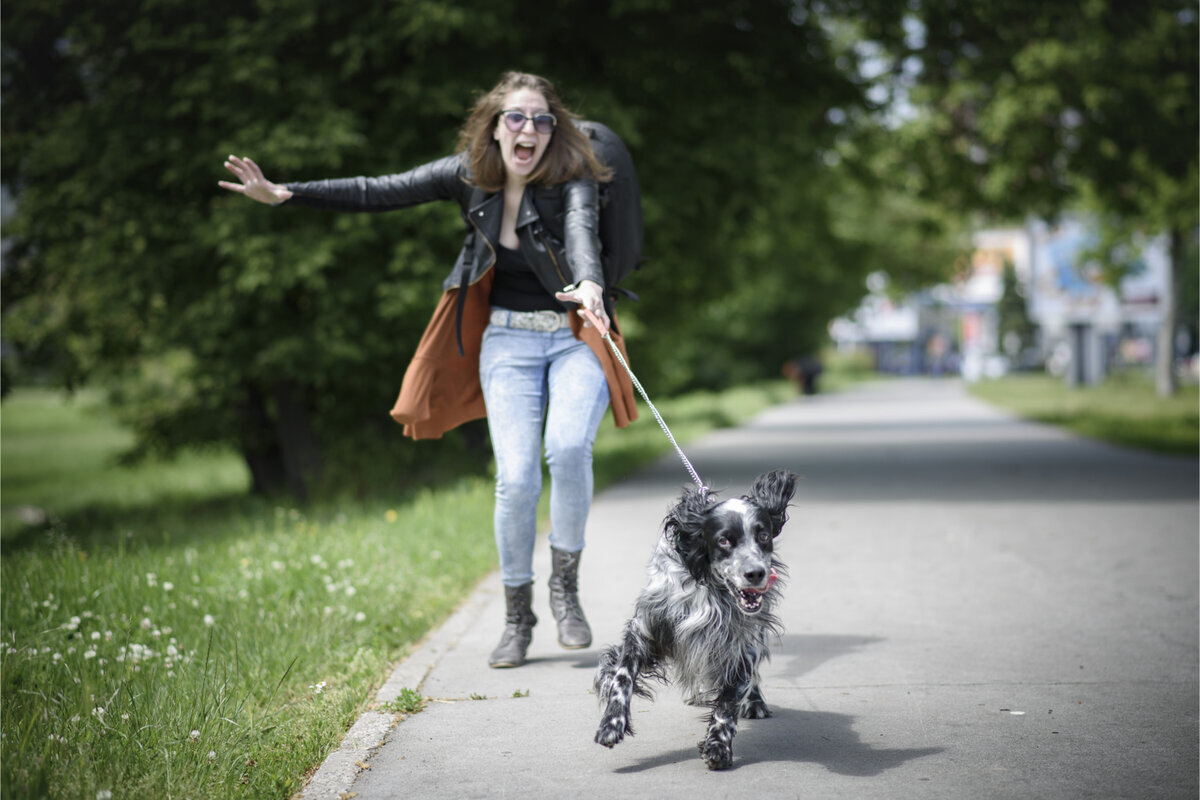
(568, 156)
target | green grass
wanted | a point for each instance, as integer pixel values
(1123, 410)
(164, 635)
(60, 453)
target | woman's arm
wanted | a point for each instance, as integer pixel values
(437, 180)
(581, 228)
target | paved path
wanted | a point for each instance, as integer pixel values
(978, 608)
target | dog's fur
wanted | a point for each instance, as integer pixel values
(704, 619)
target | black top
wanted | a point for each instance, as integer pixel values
(516, 287)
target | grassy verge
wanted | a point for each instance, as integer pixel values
(59, 453)
(1123, 410)
(189, 641)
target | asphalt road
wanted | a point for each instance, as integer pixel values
(978, 607)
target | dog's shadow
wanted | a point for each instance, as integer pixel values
(792, 735)
(800, 736)
(820, 737)
(796, 654)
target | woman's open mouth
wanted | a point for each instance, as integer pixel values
(523, 152)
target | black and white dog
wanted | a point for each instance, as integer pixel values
(704, 619)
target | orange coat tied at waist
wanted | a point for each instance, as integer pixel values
(441, 389)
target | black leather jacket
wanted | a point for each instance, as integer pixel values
(556, 225)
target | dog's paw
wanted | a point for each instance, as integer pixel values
(717, 754)
(755, 709)
(613, 729)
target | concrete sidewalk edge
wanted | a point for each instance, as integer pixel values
(337, 773)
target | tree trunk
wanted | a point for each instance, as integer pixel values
(260, 446)
(1165, 380)
(297, 441)
(278, 444)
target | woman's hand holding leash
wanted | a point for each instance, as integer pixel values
(594, 320)
(253, 184)
(590, 298)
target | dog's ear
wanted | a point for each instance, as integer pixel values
(688, 514)
(684, 527)
(772, 491)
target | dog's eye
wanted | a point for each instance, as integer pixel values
(724, 541)
(763, 535)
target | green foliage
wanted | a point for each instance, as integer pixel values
(1013, 313)
(285, 332)
(1020, 107)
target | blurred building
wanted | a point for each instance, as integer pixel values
(1082, 325)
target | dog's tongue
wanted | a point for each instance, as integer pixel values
(774, 576)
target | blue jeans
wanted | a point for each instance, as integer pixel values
(537, 383)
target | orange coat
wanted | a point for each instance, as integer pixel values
(441, 389)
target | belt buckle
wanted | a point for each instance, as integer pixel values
(545, 321)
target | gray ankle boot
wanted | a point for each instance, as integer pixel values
(518, 627)
(573, 630)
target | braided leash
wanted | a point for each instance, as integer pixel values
(638, 385)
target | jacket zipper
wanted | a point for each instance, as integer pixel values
(554, 261)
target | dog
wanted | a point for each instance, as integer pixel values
(705, 617)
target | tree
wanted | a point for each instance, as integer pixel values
(1014, 327)
(1025, 107)
(285, 332)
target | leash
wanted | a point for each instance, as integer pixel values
(638, 385)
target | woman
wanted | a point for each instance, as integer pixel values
(501, 342)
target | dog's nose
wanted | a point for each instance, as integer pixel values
(754, 576)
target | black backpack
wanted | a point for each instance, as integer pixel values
(620, 208)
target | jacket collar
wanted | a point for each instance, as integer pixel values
(528, 212)
(486, 209)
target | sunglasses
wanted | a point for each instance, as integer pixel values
(542, 123)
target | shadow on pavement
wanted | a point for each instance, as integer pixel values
(799, 736)
(800, 653)
(793, 735)
(819, 737)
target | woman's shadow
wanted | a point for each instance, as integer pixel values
(793, 735)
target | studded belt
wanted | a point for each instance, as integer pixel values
(544, 321)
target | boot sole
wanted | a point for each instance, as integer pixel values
(574, 646)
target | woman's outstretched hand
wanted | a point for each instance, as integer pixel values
(589, 295)
(252, 184)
